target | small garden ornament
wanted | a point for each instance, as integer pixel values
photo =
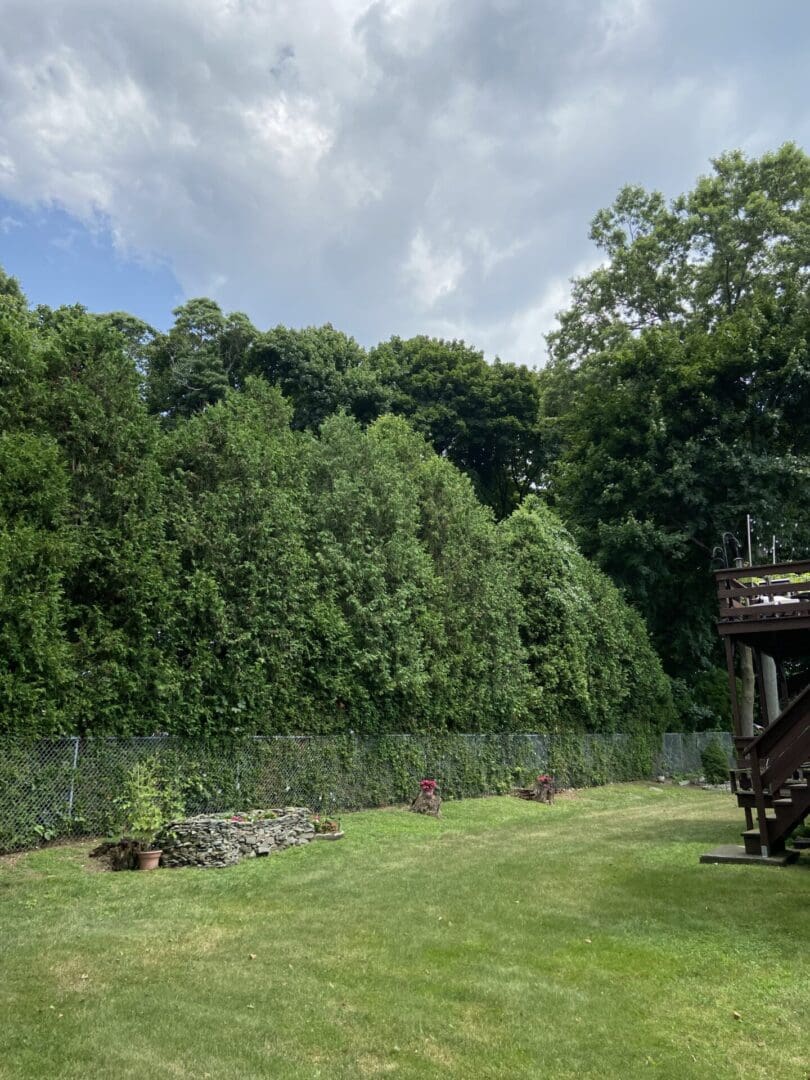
(428, 801)
(544, 789)
(541, 791)
(326, 828)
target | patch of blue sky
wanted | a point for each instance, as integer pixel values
(60, 260)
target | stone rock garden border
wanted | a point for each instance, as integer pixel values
(224, 840)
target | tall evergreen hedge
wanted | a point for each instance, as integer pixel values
(217, 571)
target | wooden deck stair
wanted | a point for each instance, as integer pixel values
(767, 609)
(773, 786)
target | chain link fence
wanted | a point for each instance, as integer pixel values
(67, 787)
(681, 750)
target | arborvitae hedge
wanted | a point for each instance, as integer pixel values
(214, 571)
(592, 665)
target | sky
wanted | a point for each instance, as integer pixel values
(391, 167)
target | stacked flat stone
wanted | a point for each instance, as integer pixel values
(218, 841)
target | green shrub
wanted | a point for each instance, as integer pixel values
(715, 763)
(146, 803)
(588, 652)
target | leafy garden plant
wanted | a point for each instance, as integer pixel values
(145, 804)
(325, 824)
(715, 763)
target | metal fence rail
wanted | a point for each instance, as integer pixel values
(62, 787)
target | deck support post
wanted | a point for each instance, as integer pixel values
(767, 666)
(748, 680)
(784, 694)
(762, 817)
(732, 685)
(760, 681)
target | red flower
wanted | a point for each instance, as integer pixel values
(428, 786)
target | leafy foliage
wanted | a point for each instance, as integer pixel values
(181, 551)
(484, 417)
(593, 667)
(715, 763)
(143, 806)
(678, 397)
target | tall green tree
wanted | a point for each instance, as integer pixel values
(376, 576)
(679, 387)
(741, 235)
(242, 637)
(195, 363)
(427, 637)
(477, 602)
(592, 665)
(36, 548)
(114, 590)
(484, 417)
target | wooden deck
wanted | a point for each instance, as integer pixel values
(773, 600)
(767, 609)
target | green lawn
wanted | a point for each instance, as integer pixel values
(504, 940)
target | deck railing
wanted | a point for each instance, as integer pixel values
(753, 593)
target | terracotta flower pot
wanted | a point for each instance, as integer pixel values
(148, 860)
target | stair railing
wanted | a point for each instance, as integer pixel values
(781, 748)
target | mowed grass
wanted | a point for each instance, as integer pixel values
(505, 940)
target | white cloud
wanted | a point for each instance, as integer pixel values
(294, 138)
(387, 165)
(430, 273)
(520, 336)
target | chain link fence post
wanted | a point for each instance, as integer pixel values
(74, 767)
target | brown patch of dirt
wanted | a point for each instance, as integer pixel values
(95, 866)
(75, 976)
(374, 1065)
(11, 860)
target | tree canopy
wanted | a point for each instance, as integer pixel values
(678, 394)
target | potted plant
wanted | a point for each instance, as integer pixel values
(141, 807)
